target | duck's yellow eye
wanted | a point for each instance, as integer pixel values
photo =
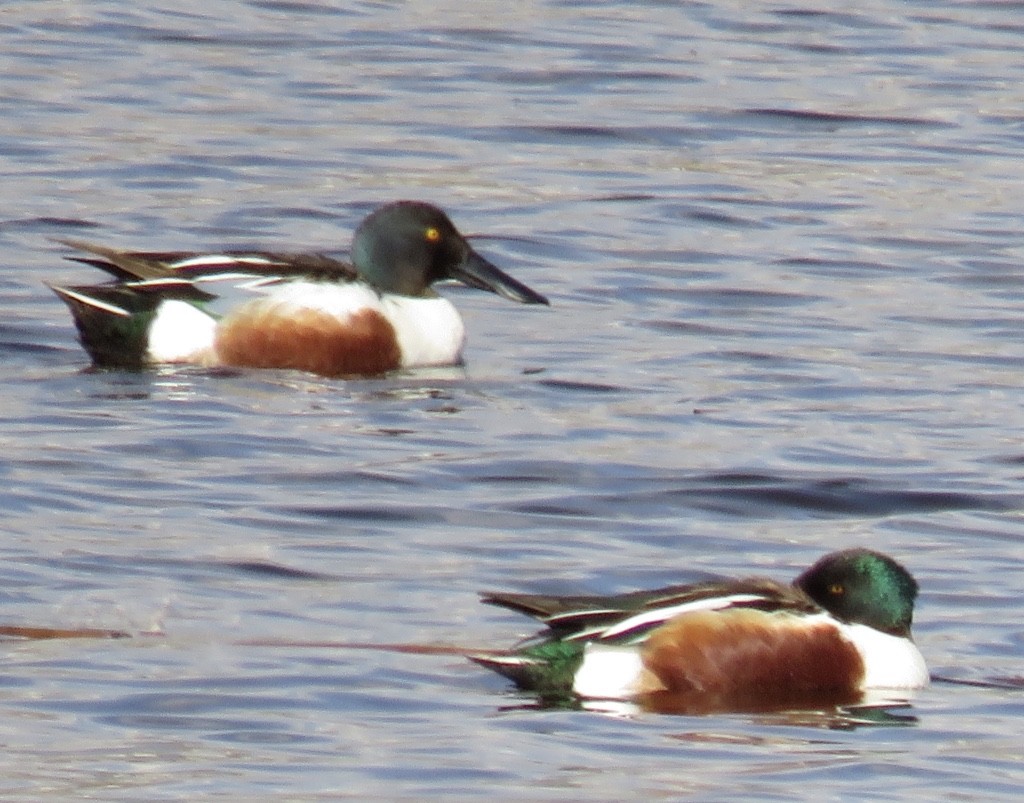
(432, 235)
(837, 589)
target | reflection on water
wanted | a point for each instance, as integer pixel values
(808, 712)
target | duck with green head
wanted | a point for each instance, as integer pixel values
(304, 311)
(839, 631)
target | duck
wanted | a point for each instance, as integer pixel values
(304, 311)
(840, 631)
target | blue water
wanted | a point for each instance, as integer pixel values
(783, 249)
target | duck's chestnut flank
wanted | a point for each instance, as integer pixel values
(309, 340)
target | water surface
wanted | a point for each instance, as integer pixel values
(783, 250)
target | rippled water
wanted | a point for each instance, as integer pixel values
(783, 249)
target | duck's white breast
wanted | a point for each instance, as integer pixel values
(429, 330)
(890, 662)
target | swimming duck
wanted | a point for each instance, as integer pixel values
(304, 311)
(841, 629)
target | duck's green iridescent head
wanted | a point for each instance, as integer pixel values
(406, 246)
(864, 587)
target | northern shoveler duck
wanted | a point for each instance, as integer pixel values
(304, 311)
(840, 630)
